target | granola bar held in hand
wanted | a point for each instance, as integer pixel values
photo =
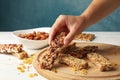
(52, 53)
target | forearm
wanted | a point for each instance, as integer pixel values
(98, 9)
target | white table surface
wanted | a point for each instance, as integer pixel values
(8, 64)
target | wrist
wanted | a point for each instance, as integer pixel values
(84, 24)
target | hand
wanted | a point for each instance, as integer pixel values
(70, 24)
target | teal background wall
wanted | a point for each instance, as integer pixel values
(25, 14)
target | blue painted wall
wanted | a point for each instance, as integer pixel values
(24, 14)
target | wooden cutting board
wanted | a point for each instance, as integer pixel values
(112, 52)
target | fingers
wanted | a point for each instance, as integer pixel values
(57, 26)
(70, 24)
(69, 37)
(52, 34)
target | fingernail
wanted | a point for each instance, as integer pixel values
(66, 42)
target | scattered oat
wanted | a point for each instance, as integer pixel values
(54, 70)
(84, 71)
(23, 66)
(26, 65)
(20, 69)
(73, 69)
(31, 75)
(35, 74)
(28, 60)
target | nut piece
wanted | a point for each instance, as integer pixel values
(35, 35)
(103, 63)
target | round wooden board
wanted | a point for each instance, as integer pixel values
(112, 52)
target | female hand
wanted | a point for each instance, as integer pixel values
(97, 10)
(70, 24)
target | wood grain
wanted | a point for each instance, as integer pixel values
(112, 52)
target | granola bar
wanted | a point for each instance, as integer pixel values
(49, 58)
(10, 48)
(58, 40)
(103, 63)
(71, 61)
(78, 52)
(14, 49)
(85, 37)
